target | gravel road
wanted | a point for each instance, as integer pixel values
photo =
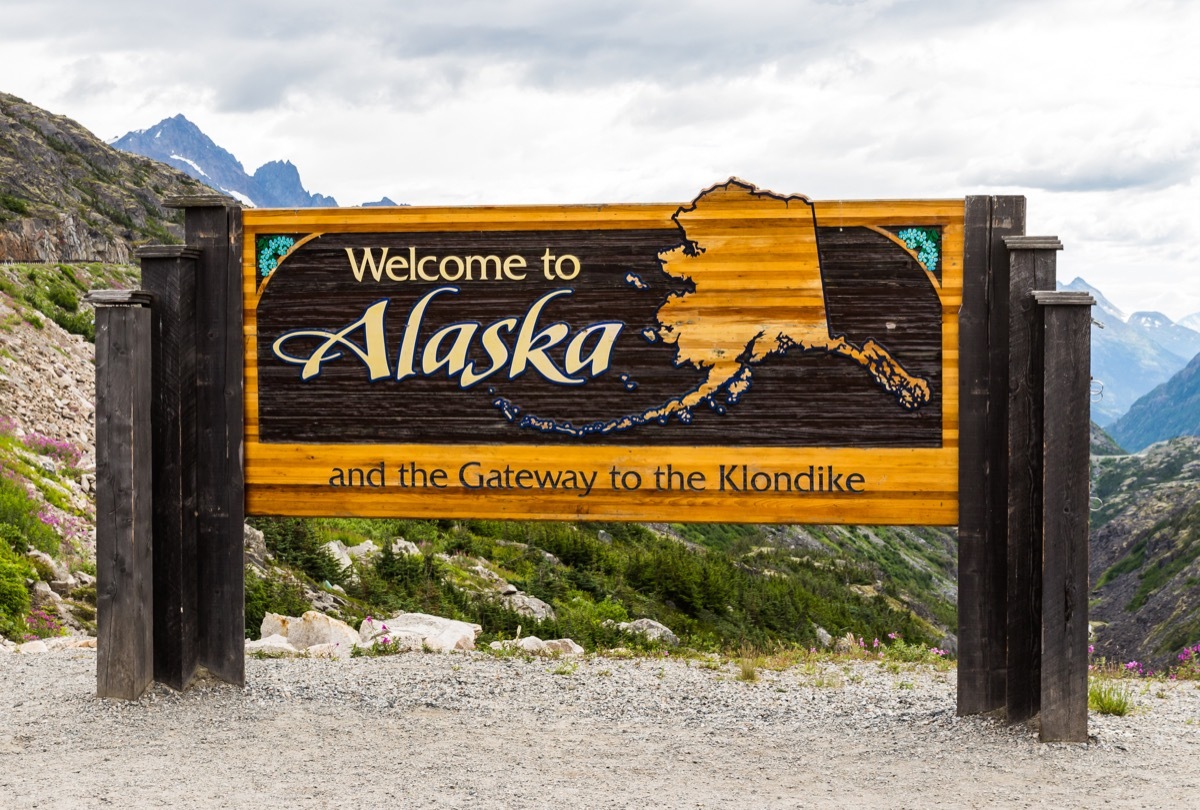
(473, 731)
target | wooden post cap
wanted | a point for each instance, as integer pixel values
(119, 298)
(201, 201)
(167, 252)
(1032, 243)
(1063, 298)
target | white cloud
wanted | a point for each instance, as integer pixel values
(1089, 107)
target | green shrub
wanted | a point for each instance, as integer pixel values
(14, 597)
(295, 542)
(1110, 697)
(263, 596)
(19, 513)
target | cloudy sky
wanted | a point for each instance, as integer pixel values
(1090, 108)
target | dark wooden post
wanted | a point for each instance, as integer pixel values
(168, 271)
(983, 483)
(213, 224)
(124, 557)
(1031, 267)
(1065, 486)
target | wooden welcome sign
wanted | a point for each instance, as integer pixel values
(744, 357)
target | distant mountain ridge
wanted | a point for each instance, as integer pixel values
(1172, 409)
(178, 142)
(1131, 356)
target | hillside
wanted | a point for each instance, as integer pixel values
(1172, 409)
(1145, 552)
(66, 196)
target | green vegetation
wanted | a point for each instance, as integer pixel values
(282, 596)
(1110, 697)
(594, 576)
(14, 598)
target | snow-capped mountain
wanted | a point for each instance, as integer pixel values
(1131, 356)
(180, 143)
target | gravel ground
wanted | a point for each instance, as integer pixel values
(470, 730)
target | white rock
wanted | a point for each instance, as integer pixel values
(563, 646)
(309, 630)
(59, 642)
(363, 550)
(402, 546)
(650, 629)
(435, 632)
(526, 605)
(43, 594)
(60, 570)
(535, 646)
(271, 644)
(32, 647)
(82, 643)
(338, 552)
(338, 651)
(823, 637)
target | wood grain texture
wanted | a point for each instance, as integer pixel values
(169, 272)
(983, 358)
(1031, 267)
(124, 554)
(220, 493)
(393, 420)
(1064, 683)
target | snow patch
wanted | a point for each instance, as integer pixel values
(191, 163)
(240, 197)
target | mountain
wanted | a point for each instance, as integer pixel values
(1191, 321)
(65, 195)
(385, 202)
(1103, 444)
(180, 143)
(1174, 337)
(1145, 552)
(1172, 409)
(1130, 358)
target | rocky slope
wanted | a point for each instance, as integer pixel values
(1145, 552)
(66, 196)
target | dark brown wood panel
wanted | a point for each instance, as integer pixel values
(1031, 267)
(124, 557)
(220, 496)
(1064, 684)
(169, 273)
(983, 357)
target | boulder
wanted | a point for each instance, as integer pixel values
(435, 632)
(44, 596)
(309, 630)
(402, 546)
(339, 552)
(563, 646)
(254, 547)
(650, 629)
(339, 652)
(271, 644)
(526, 605)
(363, 551)
(823, 637)
(535, 646)
(60, 570)
(32, 648)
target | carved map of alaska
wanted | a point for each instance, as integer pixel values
(757, 293)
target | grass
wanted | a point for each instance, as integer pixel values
(1109, 696)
